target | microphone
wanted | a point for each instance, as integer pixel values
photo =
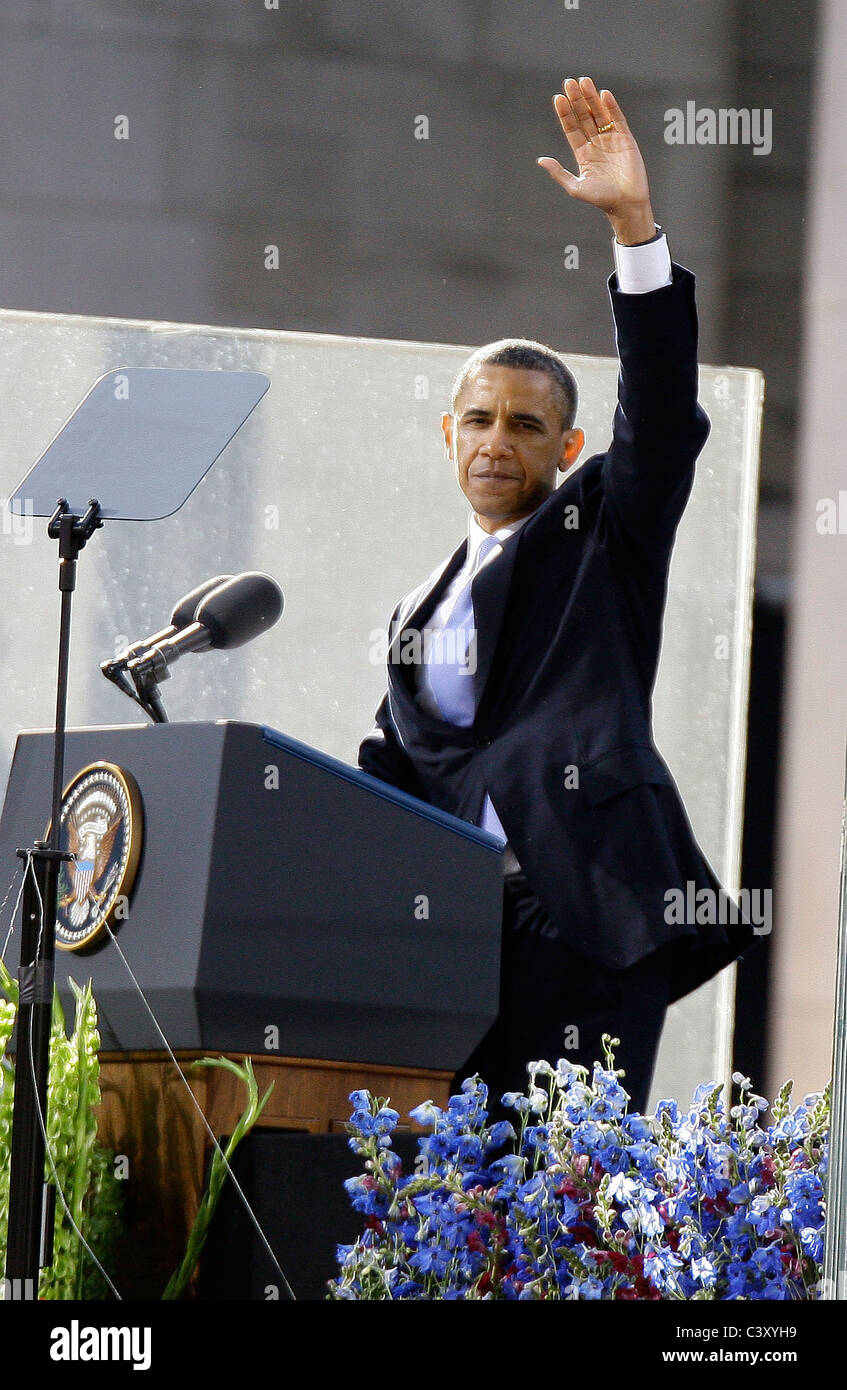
(231, 614)
(182, 615)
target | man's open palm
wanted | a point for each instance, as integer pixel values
(611, 174)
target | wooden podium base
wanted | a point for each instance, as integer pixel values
(161, 1145)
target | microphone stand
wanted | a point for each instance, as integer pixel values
(30, 1231)
(146, 694)
(116, 668)
(149, 700)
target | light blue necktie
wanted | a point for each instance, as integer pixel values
(449, 671)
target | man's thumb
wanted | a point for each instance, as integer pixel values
(568, 181)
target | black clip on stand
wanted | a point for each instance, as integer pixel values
(30, 1210)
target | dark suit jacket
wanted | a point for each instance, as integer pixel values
(568, 631)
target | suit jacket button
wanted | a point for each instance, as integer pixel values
(483, 743)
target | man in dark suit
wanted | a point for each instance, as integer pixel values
(527, 707)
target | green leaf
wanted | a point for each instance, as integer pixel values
(218, 1171)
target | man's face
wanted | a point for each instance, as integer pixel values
(507, 441)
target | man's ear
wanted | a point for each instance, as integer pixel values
(573, 442)
(447, 431)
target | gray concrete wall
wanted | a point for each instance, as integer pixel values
(816, 720)
(295, 127)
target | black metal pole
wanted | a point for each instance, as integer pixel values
(28, 1205)
(24, 1254)
(68, 551)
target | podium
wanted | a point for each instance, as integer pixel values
(281, 889)
(286, 906)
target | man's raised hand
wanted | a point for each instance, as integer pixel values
(611, 175)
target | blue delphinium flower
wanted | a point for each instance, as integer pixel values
(597, 1204)
(811, 1239)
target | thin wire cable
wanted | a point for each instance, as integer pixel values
(199, 1109)
(14, 909)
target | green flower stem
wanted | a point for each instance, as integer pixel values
(85, 1129)
(178, 1281)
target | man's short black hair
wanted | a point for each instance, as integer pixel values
(523, 352)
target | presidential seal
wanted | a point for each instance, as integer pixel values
(101, 825)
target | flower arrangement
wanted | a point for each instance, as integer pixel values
(589, 1201)
(84, 1167)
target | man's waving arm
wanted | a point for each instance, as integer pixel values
(659, 429)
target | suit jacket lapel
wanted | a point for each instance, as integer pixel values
(489, 591)
(414, 611)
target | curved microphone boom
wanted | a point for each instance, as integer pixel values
(233, 613)
(182, 614)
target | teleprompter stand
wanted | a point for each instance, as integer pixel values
(30, 1211)
(139, 442)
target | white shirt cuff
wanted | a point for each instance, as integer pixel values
(641, 269)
